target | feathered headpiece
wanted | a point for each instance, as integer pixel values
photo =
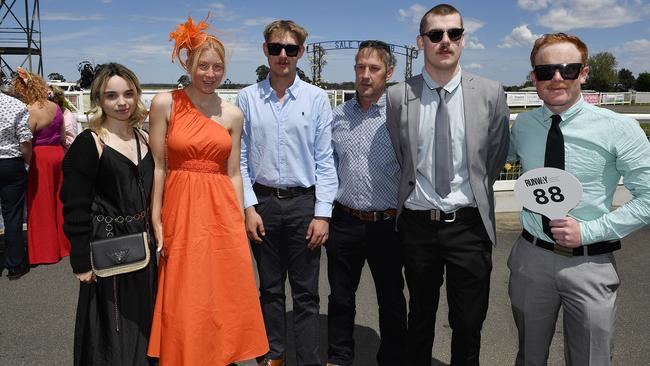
(24, 74)
(188, 36)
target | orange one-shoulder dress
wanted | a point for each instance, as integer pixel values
(207, 310)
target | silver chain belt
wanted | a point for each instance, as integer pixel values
(119, 219)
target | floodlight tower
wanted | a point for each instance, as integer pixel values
(20, 36)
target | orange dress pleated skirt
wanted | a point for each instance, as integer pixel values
(46, 241)
(207, 309)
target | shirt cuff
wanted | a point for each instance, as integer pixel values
(588, 233)
(250, 199)
(323, 209)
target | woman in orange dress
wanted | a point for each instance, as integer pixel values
(46, 241)
(207, 310)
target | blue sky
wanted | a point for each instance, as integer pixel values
(498, 39)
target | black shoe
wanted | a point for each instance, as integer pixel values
(17, 272)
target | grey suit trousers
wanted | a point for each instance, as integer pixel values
(541, 282)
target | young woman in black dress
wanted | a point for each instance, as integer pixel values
(101, 198)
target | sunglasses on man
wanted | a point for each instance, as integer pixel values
(435, 35)
(291, 50)
(375, 44)
(567, 71)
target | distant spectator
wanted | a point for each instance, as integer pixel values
(45, 238)
(15, 153)
(71, 125)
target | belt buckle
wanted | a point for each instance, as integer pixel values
(376, 216)
(561, 250)
(280, 195)
(434, 215)
(453, 217)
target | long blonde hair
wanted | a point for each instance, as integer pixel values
(97, 87)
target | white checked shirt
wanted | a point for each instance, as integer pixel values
(14, 128)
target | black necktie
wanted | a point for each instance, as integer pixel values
(553, 158)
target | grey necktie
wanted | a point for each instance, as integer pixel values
(442, 148)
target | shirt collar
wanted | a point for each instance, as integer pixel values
(566, 115)
(267, 91)
(380, 103)
(449, 87)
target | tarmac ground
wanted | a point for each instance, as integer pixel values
(37, 312)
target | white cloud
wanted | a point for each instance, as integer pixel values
(412, 15)
(155, 19)
(222, 13)
(533, 4)
(252, 22)
(107, 1)
(636, 46)
(70, 17)
(62, 37)
(565, 15)
(473, 65)
(520, 36)
(473, 43)
(472, 25)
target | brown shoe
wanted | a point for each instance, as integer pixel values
(269, 362)
(331, 364)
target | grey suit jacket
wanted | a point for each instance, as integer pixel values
(486, 137)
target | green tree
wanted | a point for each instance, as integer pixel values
(302, 76)
(184, 80)
(602, 72)
(626, 79)
(55, 76)
(262, 71)
(643, 82)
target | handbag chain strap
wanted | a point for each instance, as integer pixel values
(141, 182)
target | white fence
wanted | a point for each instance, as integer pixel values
(642, 97)
(81, 100)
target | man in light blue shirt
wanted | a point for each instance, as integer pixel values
(570, 264)
(289, 187)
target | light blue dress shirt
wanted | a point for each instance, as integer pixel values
(289, 143)
(424, 196)
(365, 160)
(600, 146)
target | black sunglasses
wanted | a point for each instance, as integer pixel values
(567, 71)
(375, 44)
(435, 35)
(290, 49)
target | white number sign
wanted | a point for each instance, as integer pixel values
(548, 191)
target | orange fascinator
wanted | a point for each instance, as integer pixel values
(188, 36)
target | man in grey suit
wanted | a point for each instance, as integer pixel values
(450, 132)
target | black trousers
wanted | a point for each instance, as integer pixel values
(284, 251)
(13, 183)
(352, 242)
(463, 249)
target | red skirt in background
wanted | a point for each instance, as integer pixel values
(46, 241)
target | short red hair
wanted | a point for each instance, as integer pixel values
(554, 38)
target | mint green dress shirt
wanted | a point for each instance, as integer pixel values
(600, 147)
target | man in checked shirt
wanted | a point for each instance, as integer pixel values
(363, 221)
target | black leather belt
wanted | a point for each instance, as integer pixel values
(591, 249)
(438, 215)
(372, 216)
(288, 192)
